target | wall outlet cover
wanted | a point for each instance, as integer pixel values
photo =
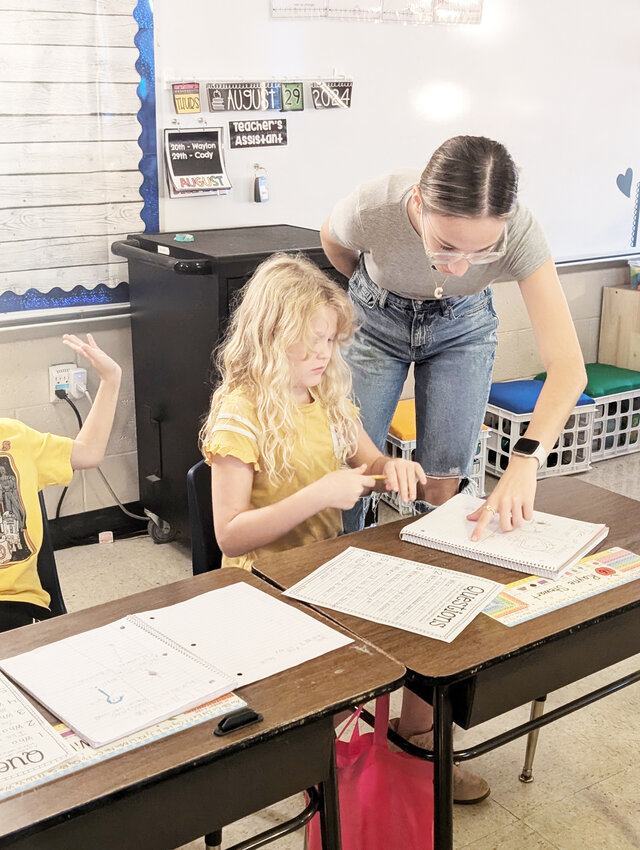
(59, 378)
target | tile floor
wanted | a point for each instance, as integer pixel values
(587, 777)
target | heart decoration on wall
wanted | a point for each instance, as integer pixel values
(623, 182)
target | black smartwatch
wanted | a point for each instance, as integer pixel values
(530, 448)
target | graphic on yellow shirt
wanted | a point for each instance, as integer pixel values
(15, 545)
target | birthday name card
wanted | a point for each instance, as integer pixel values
(533, 596)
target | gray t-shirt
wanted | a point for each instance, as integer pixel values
(374, 220)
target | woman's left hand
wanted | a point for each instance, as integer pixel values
(511, 500)
(403, 477)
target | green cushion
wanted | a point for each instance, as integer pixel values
(606, 380)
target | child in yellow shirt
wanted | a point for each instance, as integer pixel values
(286, 446)
(31, 460)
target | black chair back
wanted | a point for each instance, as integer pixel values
(47, 570)
(205, 552)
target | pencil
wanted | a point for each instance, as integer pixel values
(378, 477)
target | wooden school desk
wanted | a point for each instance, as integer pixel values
(490, 668)
(185, 785)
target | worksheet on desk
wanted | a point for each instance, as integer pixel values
(245, 630)
(420, 598)
(28, 744)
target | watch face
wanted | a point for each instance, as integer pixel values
(526, 446)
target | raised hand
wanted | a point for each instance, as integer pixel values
(105, 366)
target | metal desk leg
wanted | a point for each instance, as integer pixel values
(330, 808)
(443, 769)
(537, 707)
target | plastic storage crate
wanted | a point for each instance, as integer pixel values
(401, 442)
(616, 425)
(572, 451)
(616, 421)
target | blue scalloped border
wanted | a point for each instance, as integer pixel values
(145, 66)
(79, 296)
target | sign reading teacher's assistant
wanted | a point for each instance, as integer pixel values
(195, 162)
(258, 133)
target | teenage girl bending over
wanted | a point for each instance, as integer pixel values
(286, 446)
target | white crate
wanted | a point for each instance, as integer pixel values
(616, 425)
(395, 447)
(571, 453)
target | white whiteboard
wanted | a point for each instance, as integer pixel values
(557, 82)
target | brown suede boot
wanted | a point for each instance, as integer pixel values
(467, 787)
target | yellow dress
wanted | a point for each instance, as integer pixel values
(236, 432)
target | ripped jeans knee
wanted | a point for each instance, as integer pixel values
(467, 485)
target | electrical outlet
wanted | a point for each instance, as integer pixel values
(59, 378)
(77, 382)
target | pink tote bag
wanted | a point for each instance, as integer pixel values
(386, 798)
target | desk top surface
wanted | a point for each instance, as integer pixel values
(235, 242)
(318, 688)
(484, 641)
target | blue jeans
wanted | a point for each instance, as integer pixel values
(452, 343)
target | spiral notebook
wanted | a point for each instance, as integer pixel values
(117, 679)
(544, 546)
(112, 681)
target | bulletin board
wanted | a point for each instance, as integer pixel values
(556, 82)
(69, 158)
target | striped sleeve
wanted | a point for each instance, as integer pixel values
(235, 433)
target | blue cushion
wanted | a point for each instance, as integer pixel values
(521, 396)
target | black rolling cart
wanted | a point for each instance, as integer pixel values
(181, 295)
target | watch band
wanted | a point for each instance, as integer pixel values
(532, 449)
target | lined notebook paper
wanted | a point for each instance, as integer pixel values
(544, 546)
(246, 631)
(114, 680)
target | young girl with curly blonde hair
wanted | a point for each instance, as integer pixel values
(287, 449)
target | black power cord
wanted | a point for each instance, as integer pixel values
(62, 393)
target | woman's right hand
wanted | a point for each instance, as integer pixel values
(343, 488)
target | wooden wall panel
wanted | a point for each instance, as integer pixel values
(83, 128)
(67, 277)
(69, 178)
(87, 219)
(87, 7)
(59, 252)
(70, 64)
(23, 190)
(64, 157)
(37, 28)
(67, 100)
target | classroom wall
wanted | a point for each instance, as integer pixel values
(551, 80)
(517, 355)
(25, 355)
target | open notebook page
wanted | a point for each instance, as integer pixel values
(111, 681)
(545, 545)
(244, 631)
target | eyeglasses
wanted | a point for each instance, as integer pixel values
(475, 258)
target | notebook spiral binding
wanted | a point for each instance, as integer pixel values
(147, 627)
